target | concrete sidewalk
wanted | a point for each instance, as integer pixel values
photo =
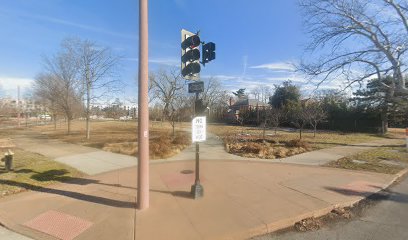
(242, 199)
(86, 159)
(9, 235)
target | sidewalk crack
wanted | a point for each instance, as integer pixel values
(306, 194)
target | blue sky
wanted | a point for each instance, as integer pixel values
(255, 39)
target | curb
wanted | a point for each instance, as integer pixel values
(289, 222)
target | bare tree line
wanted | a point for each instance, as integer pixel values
(168, 90)
(361, 39)
(81, 72)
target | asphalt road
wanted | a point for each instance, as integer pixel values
(388, 219)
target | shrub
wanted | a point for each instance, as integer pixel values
(297, 143)
(181, 139)
(252, 148)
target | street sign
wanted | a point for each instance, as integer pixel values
(199, 129)
(196, 87)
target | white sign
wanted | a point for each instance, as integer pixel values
(199, 129)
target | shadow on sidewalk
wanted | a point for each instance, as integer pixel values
(59, 175)
(382, 195)
(71, 194)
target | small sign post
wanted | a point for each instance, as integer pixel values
(199, 129)
(199, 126)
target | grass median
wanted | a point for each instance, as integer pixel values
(32, 171)
(389, 160)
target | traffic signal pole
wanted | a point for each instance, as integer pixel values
(190, 70)
(197, 189)
(143, 111)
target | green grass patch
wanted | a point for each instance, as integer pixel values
(382, 160)
(33, 171)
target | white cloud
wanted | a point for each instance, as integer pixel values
(9, 85)
(165, 61)
(277, 66)
(221, 77)
(295, 79)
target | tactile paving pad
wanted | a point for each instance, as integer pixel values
(59, 225)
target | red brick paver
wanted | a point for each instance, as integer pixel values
(58, 224)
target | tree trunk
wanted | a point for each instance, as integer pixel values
(174, 132)
(55, 122)
(384, 119)
(69, 125)
(88, 109)
(300, 133)
(315, 129)
(263, 133)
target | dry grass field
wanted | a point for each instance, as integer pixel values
(121, 137)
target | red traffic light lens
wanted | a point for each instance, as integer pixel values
(191, 42)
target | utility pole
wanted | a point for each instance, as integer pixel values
(18, 105)
(143, 110)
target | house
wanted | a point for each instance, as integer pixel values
(242, 105)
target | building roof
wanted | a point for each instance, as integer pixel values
(249, 102)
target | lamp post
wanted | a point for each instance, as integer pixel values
(143, 110)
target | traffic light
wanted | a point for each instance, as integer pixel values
(200, 107)
(190, 55)
(208, 52)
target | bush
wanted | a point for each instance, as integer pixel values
(252, 148)
(182, 139)
(297, 143)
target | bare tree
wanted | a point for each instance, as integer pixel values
(215, 97)
(46, 91)
(265, 116)
(256, 92)
(61, 79)
(315, 114)
(167, 87)
(180, 103)
(262, 93)
(58, 95)
(96, 69)
(362, 38)
(298, 117)
(275, 117)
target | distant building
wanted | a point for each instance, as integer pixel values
(26, 108)
(241, 105)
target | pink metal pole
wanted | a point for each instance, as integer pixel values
(143, 111)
